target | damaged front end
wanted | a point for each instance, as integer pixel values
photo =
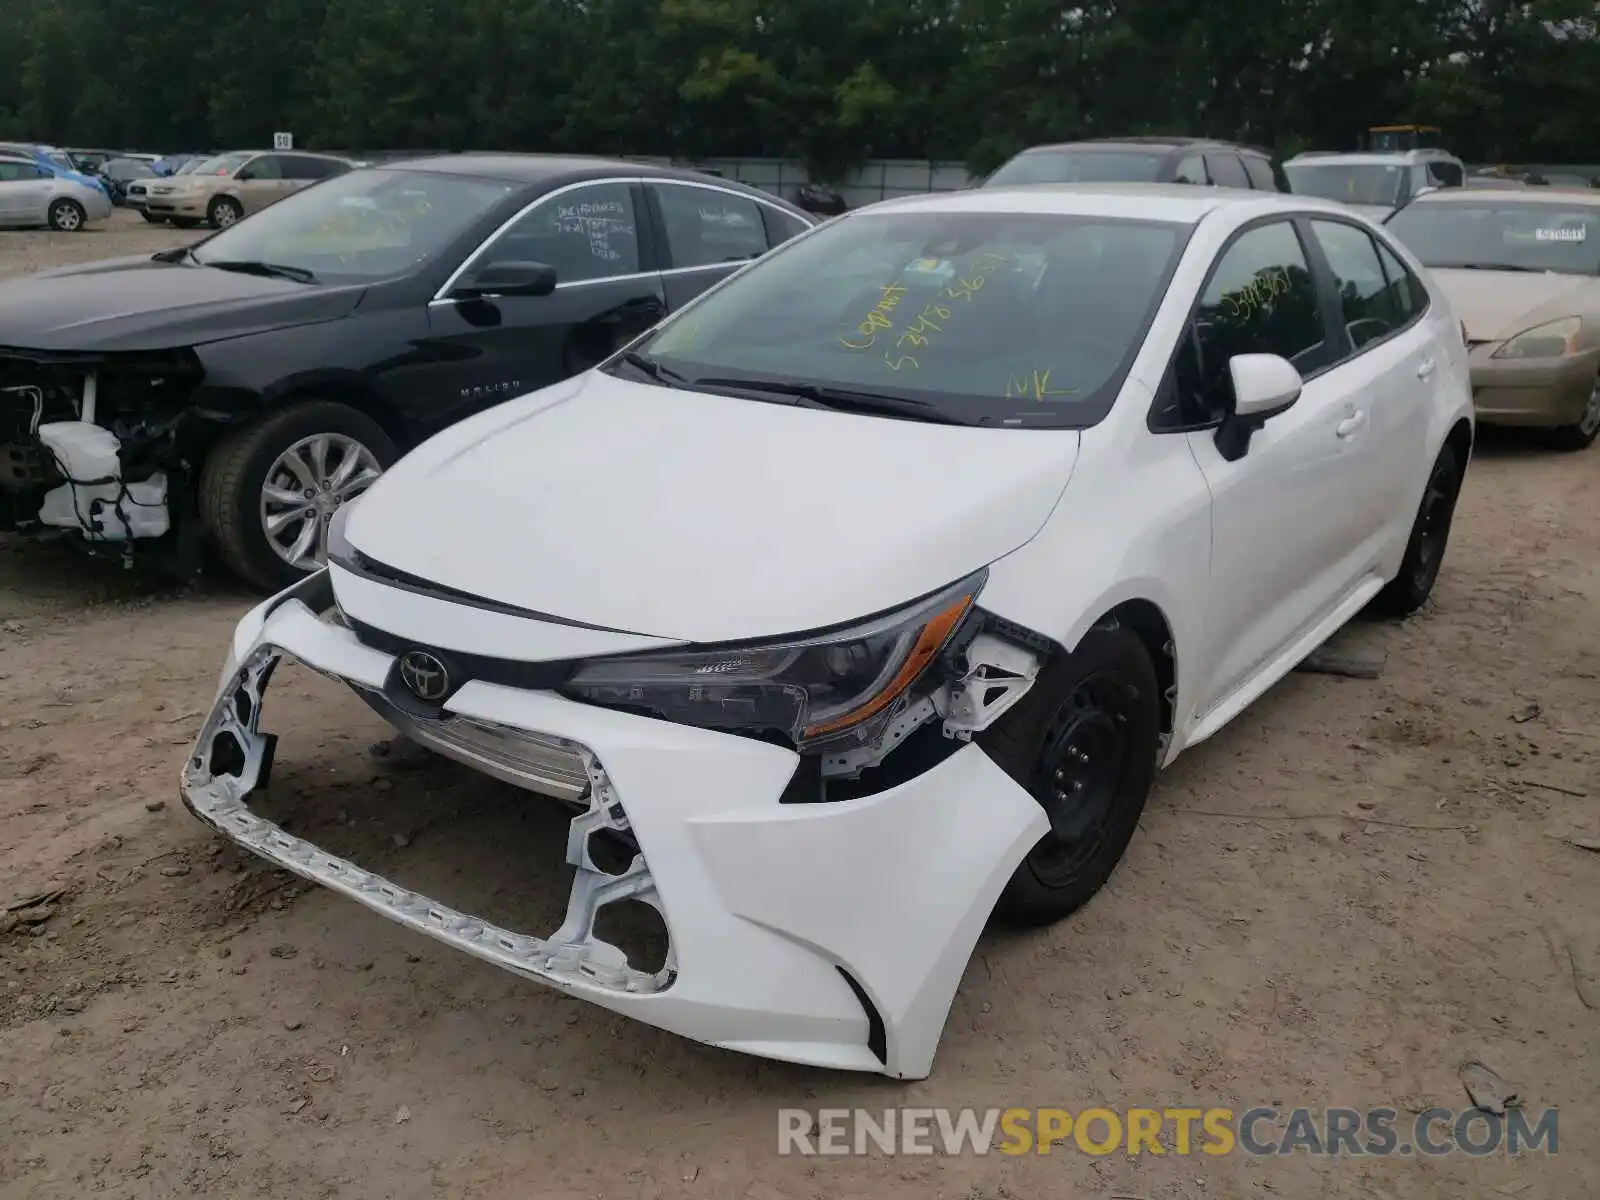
(92, 444)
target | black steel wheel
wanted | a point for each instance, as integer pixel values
(1084, 743)
(1430, 536)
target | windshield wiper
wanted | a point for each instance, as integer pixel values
(655, 370)
(1489, 266)
(252, 267)
(814, 395)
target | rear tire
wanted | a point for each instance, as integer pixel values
(234, 502)
(1083, 743)
(152, 220)
(66, 216)
(1581, 434)
(1430, 536)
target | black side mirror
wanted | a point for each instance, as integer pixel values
(507, 279)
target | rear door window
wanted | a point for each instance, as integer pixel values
(1226, 170)
(709, 227)
(1191, 170)
(1370, 310)
(1260, 172)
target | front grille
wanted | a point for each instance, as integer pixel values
(543, 763)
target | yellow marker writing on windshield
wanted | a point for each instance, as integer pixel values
(878, 319)
(1035, 386)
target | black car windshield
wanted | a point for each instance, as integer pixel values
(999, 318)
(1349, 183)
(1078, 166)
(1498, 231)
(363, 225)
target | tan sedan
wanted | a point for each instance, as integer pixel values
(1522, 271)
(222, 189)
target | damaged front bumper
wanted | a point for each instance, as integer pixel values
(832, 934)
(87, 442)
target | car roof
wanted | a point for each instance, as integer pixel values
(1184, 203)
(541, 168)
(1522, 195)
(1374, 158)
(1149, 143)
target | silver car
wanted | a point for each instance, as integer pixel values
(31, 195)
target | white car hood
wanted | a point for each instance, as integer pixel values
(705, 518)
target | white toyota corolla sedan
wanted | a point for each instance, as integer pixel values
(863, 598)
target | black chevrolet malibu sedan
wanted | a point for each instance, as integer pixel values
(231, 394)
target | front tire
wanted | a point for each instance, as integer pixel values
(223, 212)
(1430, 535)
(1581, 434)
(66, 216)
(1083, 743)
(269, 490)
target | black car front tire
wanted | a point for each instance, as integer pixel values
(1084, 743)
(236, 474)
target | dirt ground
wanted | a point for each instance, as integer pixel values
(1352, 890)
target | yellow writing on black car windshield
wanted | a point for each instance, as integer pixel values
(1267, 286)
(1034, 385)
(928, 322)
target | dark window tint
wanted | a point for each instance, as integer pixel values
(1227, 171)
(1261, 299)
(18, 172)
(1410, 296)
(587, 233)
(1445, 174)
(1190, 170)
(1260, 172)
(1369, 309)
(781, 226)
(707, 227)
(301, 166)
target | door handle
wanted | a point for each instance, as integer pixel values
(1350, 424)
(1425, 368)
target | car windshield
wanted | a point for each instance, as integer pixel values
(363, 225)
(62, 161)
(1493, 232)
(971, 318)
(1350, 183)
(1078, 166)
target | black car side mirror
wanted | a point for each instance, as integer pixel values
(507, 279)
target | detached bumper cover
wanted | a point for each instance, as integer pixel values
(830, 934)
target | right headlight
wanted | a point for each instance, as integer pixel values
(1553, 339)
(812, 689)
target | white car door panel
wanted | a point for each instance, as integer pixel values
(1284, 544)
(1282, 552)
(1389, 370)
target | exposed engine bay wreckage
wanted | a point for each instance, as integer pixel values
(92, 444)
(761, 883)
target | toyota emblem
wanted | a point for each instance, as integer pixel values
(425, 676)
